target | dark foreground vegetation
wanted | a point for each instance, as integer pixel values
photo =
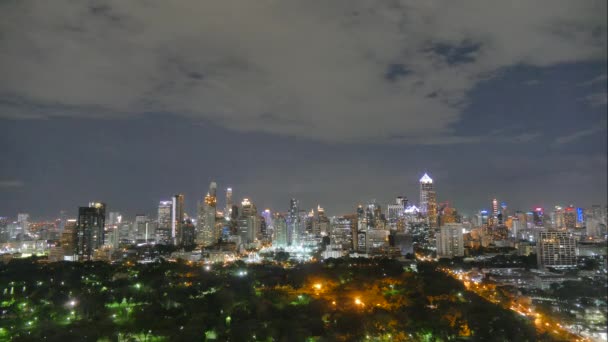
(344, 300)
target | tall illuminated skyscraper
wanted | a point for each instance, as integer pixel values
(228, 202)
(428, 200)
(90, 229)
(177, 217)
(207, 234)
(292, 221)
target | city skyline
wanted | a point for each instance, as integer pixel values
(227, 192)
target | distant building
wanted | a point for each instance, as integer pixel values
(428, 200)
(395, 212)
(570, 217)
(228, 202)
(280, 227)
(555, 249)
(177, 217)
(207, 232)
(450, 241)
(90, 231)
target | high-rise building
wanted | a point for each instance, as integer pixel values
(450, 241)
(177, 217)
(494, 208)
(280, 227)
(428, 200)
(320, 223)
(143, 228)
(248, 208)
(163, 229)
(538, 217)
(69, 238)
(557, 218)
(555, 249)
(570, 217)
(267, 223)
(293, 221)
(341, 232)
(228, 203)
(90, 229)
(208, 234)
(395, 212)
(23, 219)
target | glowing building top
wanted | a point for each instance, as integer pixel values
(426, 179)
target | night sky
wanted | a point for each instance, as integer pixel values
(331, 102)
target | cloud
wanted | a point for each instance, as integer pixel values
(597, 99)
(334, 71)
(11, 184)
(578, 135)
(601, 79)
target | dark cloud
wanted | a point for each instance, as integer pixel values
(316, 62)
(334, 103)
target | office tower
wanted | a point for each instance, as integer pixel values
(320, 224)
(517, 226)
(580, 217)
(280, 226)
(570, 217)
(163, 227)
(395, 212)
(207, 232)
(494, 209)
(23, 219)
(449, 241)
(341, 232)
(505, 213)
(141, 227)
(228, 202)
(555, 249)
(538, 217)
(69, 238)
(90, 229)
(187, 233)
(293, 221)
(267, 223)
(248, 208)
(557, 218)
(428, 200)
(177, 217)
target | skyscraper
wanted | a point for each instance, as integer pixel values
(280, 226)
(228, 202)
(90, 229)
(23, 219)
(570, 217)
(177, 217)
(428, 200)
(207, 232)
(292, 221)
(163, 231)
